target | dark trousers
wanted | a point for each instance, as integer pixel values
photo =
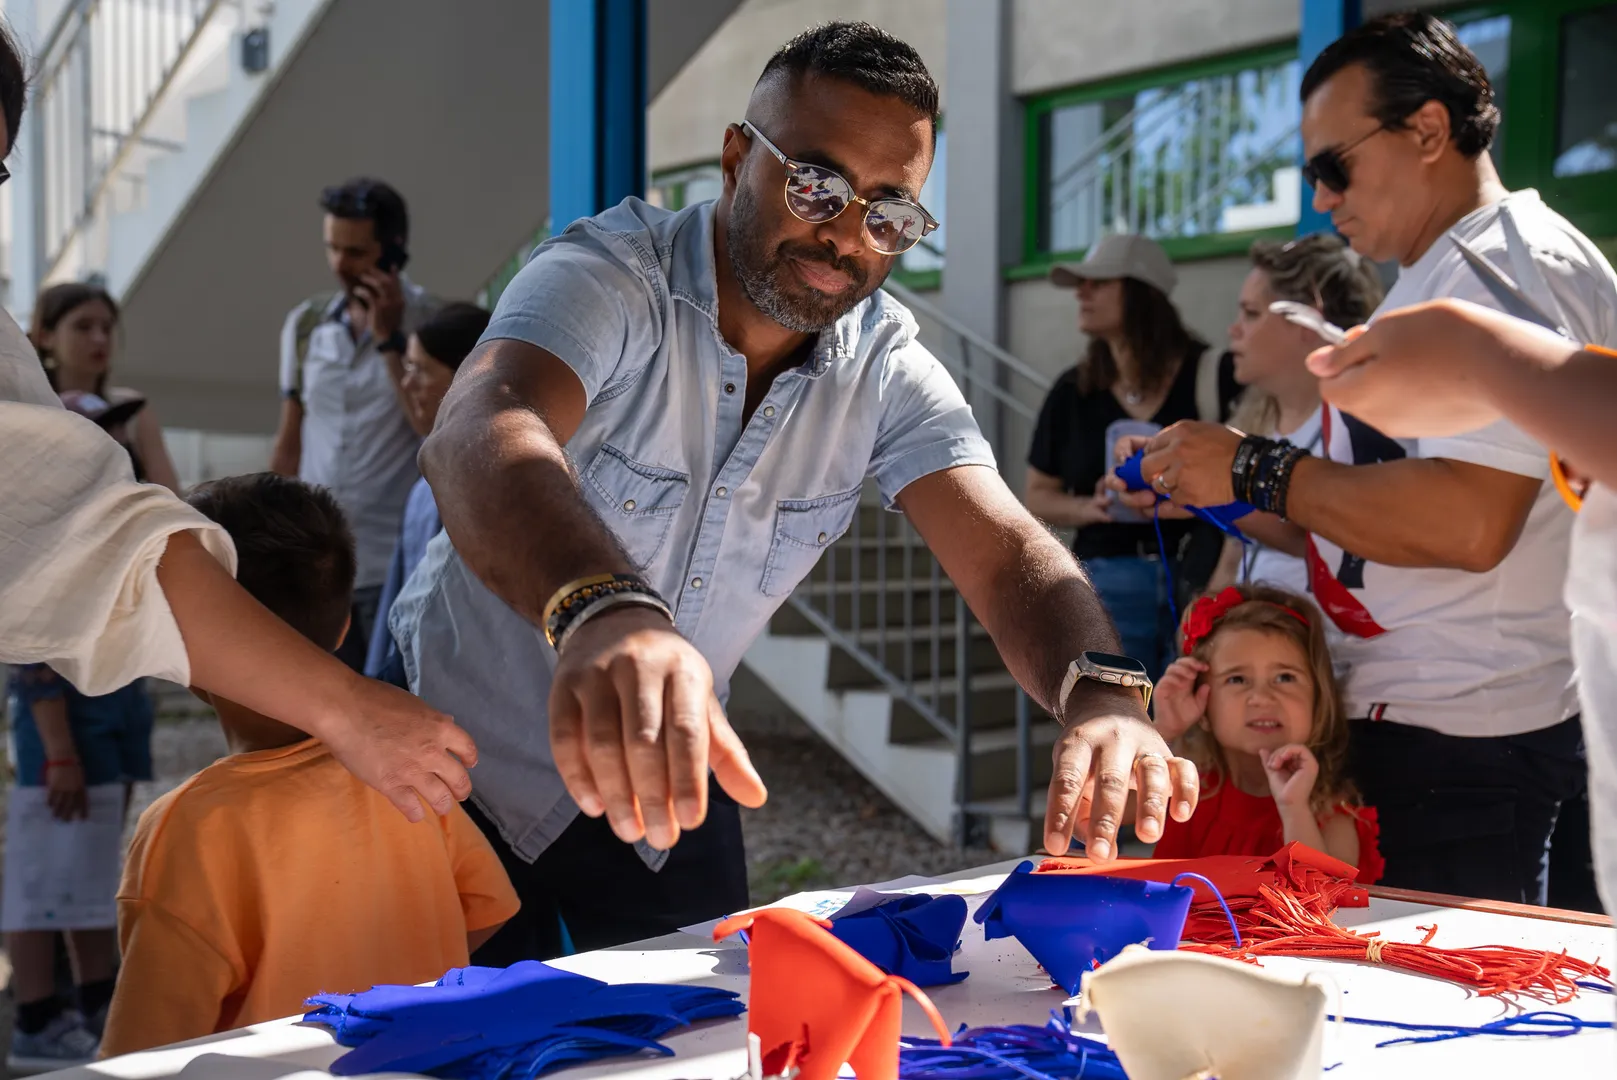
(362, 619)
(1470, 817)
(607, 895)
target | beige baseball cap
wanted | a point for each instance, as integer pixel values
(1121, 255)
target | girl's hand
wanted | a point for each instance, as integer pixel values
(1178, 703)
(65, 792)
(1292, 771)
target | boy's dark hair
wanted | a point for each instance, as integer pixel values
(862, 54)
(1414, 58)
(452, 332)
(13, 86)
(376, 201)
(294, 552)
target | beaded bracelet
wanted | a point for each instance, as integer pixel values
(1240, 468)
(572, 599)
(1283, 479)
(607, 603)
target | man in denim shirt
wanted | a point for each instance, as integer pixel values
(697, 399)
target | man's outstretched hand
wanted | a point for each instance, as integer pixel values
(1107, 748)
(635, 726)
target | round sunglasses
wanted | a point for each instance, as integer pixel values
(816, 194)
(1328, 167)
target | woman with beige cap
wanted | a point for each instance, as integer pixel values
(1142, 370)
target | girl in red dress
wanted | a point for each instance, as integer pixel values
(1255, 704)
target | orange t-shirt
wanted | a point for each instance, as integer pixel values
(272, 876)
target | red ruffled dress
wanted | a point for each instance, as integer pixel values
(1230, 822)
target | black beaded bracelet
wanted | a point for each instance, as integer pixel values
(1241, 467)
(573, 600)
(1283, 480)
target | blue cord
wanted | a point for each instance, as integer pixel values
(1220, 896)
(1551, 1025)
(1162, 551)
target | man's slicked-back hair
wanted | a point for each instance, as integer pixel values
(13, 86)
(1413, 58)
(294, 550)
(862, 54)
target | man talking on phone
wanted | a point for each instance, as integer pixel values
(343, 423)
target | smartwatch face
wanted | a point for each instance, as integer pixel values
(1112, 660)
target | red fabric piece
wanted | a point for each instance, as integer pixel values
(1334, 598)
(1283, 906)
(814, 1002)
(1230, 822)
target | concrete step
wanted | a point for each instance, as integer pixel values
(993, 705)
(910, 657)
(993, 760)
(869, 608)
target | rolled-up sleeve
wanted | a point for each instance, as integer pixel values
(585, 297)
(926, 427)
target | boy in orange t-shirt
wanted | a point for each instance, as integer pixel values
(273, 874)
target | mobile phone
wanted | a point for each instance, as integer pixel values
(393, 257)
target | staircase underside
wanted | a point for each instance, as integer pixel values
(448, 101)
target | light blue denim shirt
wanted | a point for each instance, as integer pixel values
(723, 518)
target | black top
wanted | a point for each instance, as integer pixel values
(1070, 442)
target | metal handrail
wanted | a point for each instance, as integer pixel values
(106, 68)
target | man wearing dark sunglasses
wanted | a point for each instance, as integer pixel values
(723, 380)
(1441, 559)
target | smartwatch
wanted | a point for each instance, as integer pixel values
(1108, 668)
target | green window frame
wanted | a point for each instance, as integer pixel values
(1036, 109)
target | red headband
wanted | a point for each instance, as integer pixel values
(1206, 612)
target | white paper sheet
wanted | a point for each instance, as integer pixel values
(62, 875)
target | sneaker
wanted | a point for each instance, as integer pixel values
(65, 1042)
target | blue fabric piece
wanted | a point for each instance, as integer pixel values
(914, 937)
(510, 1023)
(1222, 518)
(1012, 1052)
(1072, 922)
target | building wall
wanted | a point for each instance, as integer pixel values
(687, 120)
(1060, 43)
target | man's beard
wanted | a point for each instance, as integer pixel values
(772, 286)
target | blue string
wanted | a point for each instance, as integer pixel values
(1162, 551)
(1011, 1052)
(1542, 1024)
(1220, 896)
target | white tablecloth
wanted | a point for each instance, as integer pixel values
(1006, 986)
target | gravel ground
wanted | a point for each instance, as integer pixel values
(824, 825)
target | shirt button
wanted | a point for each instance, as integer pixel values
(769, 410)
(729, 388)
(629, 505)
(722, 492)
(822, 538)
(696, 583)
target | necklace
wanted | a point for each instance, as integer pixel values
(1132, 397)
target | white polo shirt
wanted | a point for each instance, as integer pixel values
(1478, 654)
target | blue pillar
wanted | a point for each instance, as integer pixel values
(597, 106)
(1323, 21)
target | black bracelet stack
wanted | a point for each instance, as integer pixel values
(1260, 473)
(578, 601)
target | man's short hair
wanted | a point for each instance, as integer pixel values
(453, 332)
(864, 55)
(1414, 58)
(376, 201)
(294, 551)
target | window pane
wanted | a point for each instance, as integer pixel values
(1201, 156)
(685, 187)
(1586, 139)
(1490, 39)
(928, 254)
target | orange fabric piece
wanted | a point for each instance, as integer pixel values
(1228, 821)
(815, 1003)
(272, 876)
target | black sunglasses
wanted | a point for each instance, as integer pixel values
(815, 193)
(1328, 168)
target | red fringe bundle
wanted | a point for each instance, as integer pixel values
(1283, 906)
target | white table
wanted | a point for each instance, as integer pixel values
(1006, 986)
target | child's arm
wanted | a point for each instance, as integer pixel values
(476, 939)
(46, 694)
(171, 986)
(1293, 772)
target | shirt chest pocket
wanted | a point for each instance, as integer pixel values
(804, 528)
(636, 500)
